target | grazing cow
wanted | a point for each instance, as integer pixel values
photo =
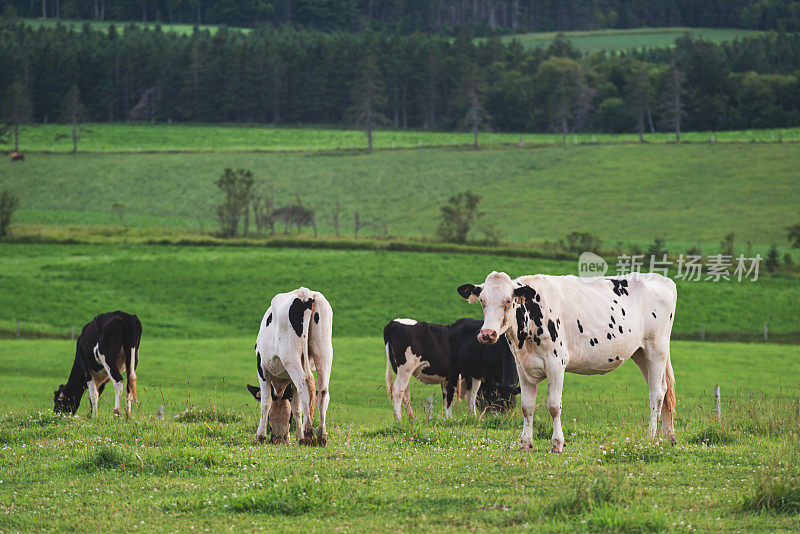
(280, 413)
(17, 156)
(443, 354)
(294, 338)
(107, 345)
(586, 326)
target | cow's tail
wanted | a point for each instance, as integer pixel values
(132, 339)
(389, 373)
(668, 409)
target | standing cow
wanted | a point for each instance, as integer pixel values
(107, 345)
(586, 326)
(444, 355)
(295, 338)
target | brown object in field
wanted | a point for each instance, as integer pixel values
(17, 156)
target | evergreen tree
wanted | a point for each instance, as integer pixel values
(16, 110)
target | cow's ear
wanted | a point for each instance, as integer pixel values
(524, 292)
(470, 292)
(255, 391)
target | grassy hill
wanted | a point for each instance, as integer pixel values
(617, 40)
(690, 195)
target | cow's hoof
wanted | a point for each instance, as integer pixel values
(117, 412)
(322, 439)
(524, 447)
(259, 440)
(557, 450)
(280, 440)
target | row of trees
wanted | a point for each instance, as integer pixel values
(431, 15)
(416, 81)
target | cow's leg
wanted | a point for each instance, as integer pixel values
(473, 396)
(266, 406)
(304, 385)
(448, 394)
(401, 384)
(323, 398)
(528, 401)
(656, 359)
(130, 364)
(555, 384)
(113, 374)
(297, 412)
(407, 403)
(94, 395)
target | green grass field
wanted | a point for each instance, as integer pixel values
(200, 470)
(139, 137)
(182, 29)
(201, 292)
(690, 195)
(635, 38)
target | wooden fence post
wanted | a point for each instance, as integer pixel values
(717, 403)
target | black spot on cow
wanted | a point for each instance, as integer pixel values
(610, 360)
(595, 341)
(654, 315)
(555, 352)
(269, 320)
(612, 308)
(620, 287)
(623, 312)
(558, 323)
(526, 292)
(538, 298)
(615, 301)
(537, 340)
(258, 366)
(617, 358)
(255, 346)
(580, 326)
(316, 317)
(296, 311)
(608, 336)
(670, 316)
(610, 325)
(613, 320)
(620, 329)
(551, 328)
(539, 331)
(591, 342)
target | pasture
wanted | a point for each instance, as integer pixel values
(162, 137)
(198, 469)
(191, 292)
(690, 195)
(628, 39)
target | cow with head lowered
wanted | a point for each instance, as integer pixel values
(294, 339)
(558, 324)
(107, 346)
(446, 355)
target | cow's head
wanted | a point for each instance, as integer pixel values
(64, 401)
(280, 414)
(497, 397)
(499, 296)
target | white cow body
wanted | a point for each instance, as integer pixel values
(295, 338)
(558, 324)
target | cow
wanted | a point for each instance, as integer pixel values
(106, 346)
(294, 338)
(442, 354)
(280, 413)
(558, 324)
(17, 156)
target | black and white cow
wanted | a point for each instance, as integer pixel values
(443, 354)
(107, 345)
(295, 338)
(558, 324)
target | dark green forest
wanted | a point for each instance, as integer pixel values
(293, 77)
(438, 16)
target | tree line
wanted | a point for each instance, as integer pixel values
(433, 16)
(376, 79)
